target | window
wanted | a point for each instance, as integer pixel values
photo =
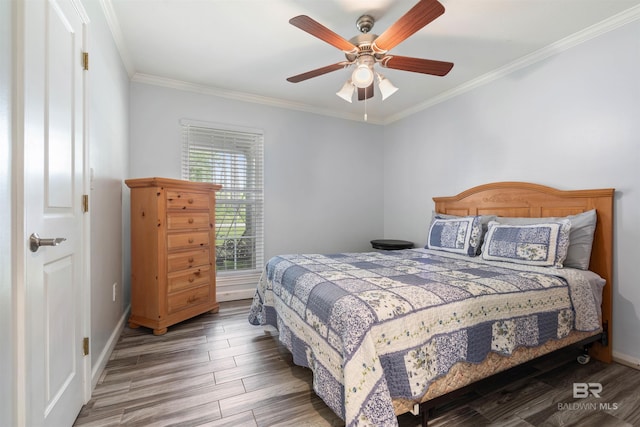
(232, 158)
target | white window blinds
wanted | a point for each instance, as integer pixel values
(233, 159)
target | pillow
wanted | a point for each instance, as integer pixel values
(458, 235)
(484, 219)
(542, 244)
(583, 225)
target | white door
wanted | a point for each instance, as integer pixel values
(55, 287)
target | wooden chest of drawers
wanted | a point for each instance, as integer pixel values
(173, 253)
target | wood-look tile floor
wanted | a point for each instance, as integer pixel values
(218, 370)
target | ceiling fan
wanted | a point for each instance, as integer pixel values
(367, 49)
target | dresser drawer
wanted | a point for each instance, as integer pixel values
(189, 298)
(187, 240)
(187, 220)
(185, 200)
(185, 260)
(188, 279)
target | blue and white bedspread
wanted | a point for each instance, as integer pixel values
(376, 326)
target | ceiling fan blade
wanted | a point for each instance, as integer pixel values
(415, 19)
(416, 65)
(365, 92)
(318, 72)
(323, 33)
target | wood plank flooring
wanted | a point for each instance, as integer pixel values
(218, 370)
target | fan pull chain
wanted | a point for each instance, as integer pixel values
(365, 107)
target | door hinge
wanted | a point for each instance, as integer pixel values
(85, 60)
(85, 203)
(85, 346)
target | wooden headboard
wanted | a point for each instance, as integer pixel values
(521, 199)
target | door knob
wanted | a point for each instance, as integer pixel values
(36, 241)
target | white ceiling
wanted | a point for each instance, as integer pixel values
(245, 49)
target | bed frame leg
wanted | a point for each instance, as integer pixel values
(425, 417)
(604, 340)
(584, 358)
(423, 411)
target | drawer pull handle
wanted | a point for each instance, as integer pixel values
(192, 298)
(190, 201)
(191, 279)
(190, 239)
(190, 259)
(190, 220)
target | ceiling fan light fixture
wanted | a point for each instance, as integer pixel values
(346, 92)
(362, 76)
(386, 87)
(366, 49)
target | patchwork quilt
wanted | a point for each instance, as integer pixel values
(383, 325)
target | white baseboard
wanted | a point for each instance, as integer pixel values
(236, 294)
(236, 286)
(101, 362)
(626, 360)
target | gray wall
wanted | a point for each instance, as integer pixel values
(323, 176)
(569, 122)
(332, 185)
(108, 158)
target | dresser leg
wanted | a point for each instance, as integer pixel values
(133, 325)
(160, 331)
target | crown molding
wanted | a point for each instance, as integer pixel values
(245, 97)
(118, 37)
(612, 23)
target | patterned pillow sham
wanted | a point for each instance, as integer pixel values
(542, 244)
(484, 219)
(458, 235)
(583, 226)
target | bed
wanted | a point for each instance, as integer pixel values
(511, 271)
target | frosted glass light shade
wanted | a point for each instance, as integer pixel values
(362, 76)
(346, 92)
(386, 87)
